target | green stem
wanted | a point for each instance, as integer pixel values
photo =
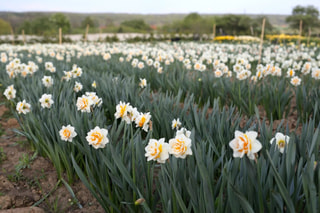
(133, 164)
(261, 207)
(239, 94)
(123, 141)
(109, 192)
(250, 101)
(279, 109)
(174, 202)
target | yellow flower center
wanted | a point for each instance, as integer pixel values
(247, 145)
(291, 73)
(156, 152)
(84, 103)
(295, 81)
(96, 136)
(66, 133)
(122, 110)
(25, 106)
(142, 121)
(281, 143)
(180, 147)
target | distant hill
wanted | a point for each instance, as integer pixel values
(103, 19)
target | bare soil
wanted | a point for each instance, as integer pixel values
(20, 190)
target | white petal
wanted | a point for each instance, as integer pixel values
(256, 146)
(237, 154)
(272, 140)
(251, 156)
(233, 143)
(237, 133)
(252, 135)
(279, 136)
(287, 138)
(241, 154)
(189, 151)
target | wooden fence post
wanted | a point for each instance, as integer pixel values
(23, 37)
(261, 39)
(309, 35)
(214, 31)
(60, 36)
(12, 36)
(100, 32)
(86, 35)
(300, 33)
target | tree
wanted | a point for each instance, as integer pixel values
(192, 23)
(61, 21)
(27, 27)
(43, 26)
(256, 24)
(88, 21)
(309, 16)
(136, 24)
(46, 25)
(5, 27)
(234, 24)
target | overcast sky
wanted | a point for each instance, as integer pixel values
(158, 6)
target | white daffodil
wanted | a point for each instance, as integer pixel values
(97, 137)
(157, 150)
(281, 141)
(67, 133)
(245, 143)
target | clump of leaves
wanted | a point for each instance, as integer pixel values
(25, 161)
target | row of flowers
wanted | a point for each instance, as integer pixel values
(241, 69)
(158, 150)
(236, 38)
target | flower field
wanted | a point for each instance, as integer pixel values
(173, 127)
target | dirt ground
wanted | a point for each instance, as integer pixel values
(26, 178)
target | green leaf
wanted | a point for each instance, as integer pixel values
(242, 200)
(88, 185)
(282, 189)
(315, 142)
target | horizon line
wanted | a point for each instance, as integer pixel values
(129, 13)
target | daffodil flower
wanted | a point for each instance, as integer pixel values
(67, 133)
(281, 141)
(23, 107)
(46, 101)
(245, 143)
(97, 137)
(10, 92)
(157, 150)
(180, 146)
